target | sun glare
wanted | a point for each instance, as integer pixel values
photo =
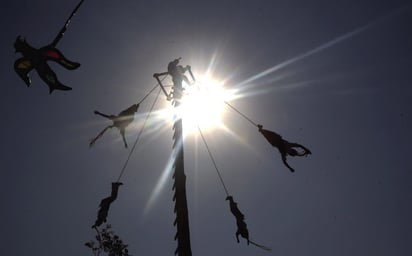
(203, 105)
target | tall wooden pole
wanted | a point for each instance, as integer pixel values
(179, 186)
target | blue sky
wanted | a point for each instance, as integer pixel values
(343, 90)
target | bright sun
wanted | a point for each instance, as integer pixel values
(203, 105)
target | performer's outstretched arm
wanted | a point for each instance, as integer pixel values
(103, 115)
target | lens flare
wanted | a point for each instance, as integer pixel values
(202, 105)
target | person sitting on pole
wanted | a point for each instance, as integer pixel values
(177, 73)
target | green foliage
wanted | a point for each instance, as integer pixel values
(107, 243)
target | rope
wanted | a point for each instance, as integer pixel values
(147, 95)
(260, 246)
(213, 160)
(240, 113)
(138, 137)
(144, 124)
(60, 35)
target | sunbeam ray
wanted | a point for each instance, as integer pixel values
(326, 45)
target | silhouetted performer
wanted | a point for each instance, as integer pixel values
(234, 209)
(241, 225)
(242, 230)
(285, 147)
(37, 59)
(120, 121)
(105, 205)
(177, 72)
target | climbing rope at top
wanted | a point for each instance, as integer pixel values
(140, 133)
(214, 162)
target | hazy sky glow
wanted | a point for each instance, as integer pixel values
(331, 75)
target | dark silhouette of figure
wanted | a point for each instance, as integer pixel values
(177, 72)
(120, 121)
(285, 147)
(241, 224)
(242, 230)
(105, 205)
(234, 209)
(37, 59)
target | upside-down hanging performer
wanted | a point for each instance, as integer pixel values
(241, 224)
(37, 59)
(105, 205)
(120, 121)
(285, 147)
